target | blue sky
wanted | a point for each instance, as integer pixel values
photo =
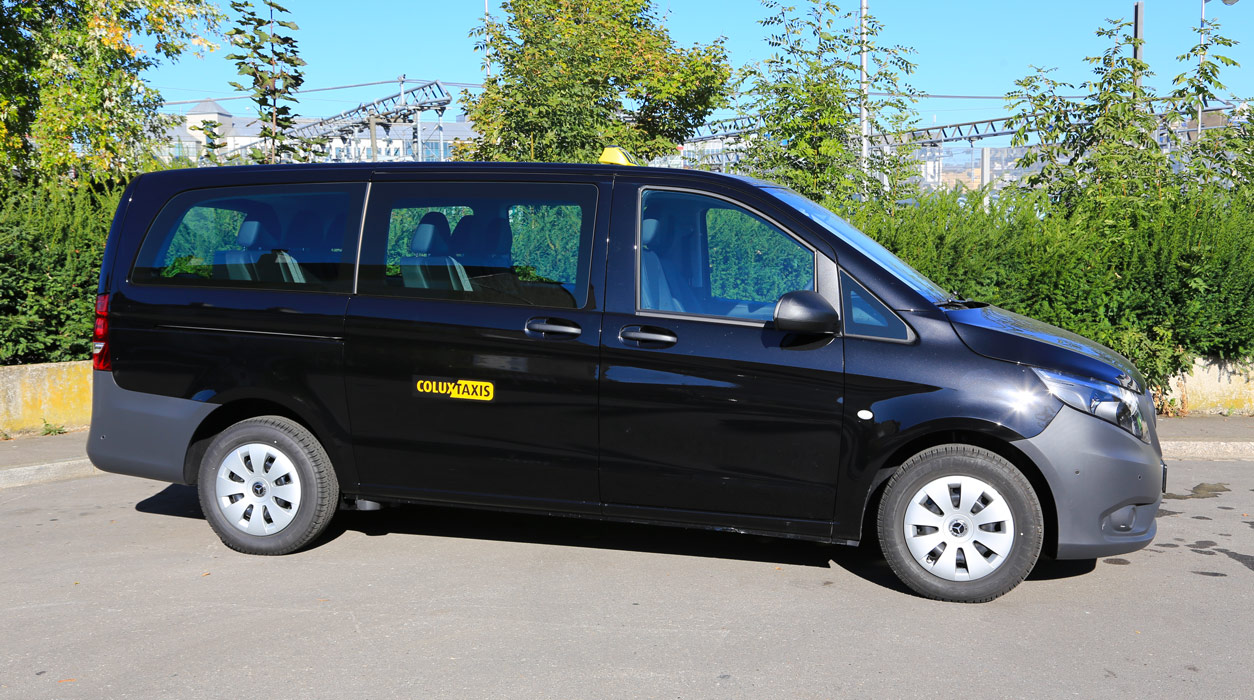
(963, 48)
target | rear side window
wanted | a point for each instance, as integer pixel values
(300, 237)
(506, 243)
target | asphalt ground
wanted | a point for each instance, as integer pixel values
(115, 587)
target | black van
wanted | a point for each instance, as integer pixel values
(619, 343)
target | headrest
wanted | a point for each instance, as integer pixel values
(259, 229)
(431, 237)
(249, 233)
(465, 227)
(489, 243)
(648, 231)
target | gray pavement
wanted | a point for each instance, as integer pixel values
(1207, 437)
(33, 460)
(1207, 428)
(115, 587)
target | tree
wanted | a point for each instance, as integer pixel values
(1105, 143)
(214, 143)
(1225, 156)
(568, 77)
(71, 96)
(272, 61)
(1112, 144)
(807, 96)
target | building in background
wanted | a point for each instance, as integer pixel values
(410, 141)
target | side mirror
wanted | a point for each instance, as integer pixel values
(806, 312)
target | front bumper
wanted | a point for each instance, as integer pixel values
(1106, 484)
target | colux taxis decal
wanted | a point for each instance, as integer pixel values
(454, 388)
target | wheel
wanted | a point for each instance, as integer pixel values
(266, 486)
(961, 524)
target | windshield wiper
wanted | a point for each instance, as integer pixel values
(955, 301)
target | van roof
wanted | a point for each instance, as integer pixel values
(513, 167)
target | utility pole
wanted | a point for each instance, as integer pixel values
(374, 144)
(1138, 34)
(1197, 134)
(862, 113)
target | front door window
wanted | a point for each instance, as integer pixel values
(706, 256)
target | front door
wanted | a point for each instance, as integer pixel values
(472, 343)
(708, 414)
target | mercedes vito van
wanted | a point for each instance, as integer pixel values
(610, 342)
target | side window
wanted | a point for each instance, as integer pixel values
(274, 236)
(866, 316)
(704, 255)
(506, 243)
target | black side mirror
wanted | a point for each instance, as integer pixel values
(806, 312)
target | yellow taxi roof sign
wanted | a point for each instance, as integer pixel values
(613, 155)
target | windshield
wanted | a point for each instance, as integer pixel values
(862, 243)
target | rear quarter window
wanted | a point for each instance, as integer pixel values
(300, 237)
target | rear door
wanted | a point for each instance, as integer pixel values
(472, 344)
(709, 414)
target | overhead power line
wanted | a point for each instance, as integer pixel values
(325, 89)
(479, 86)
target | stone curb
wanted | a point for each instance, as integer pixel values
(1201, 449)
(42, 473)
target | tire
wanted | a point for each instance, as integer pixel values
(969, 552)
(266, 486)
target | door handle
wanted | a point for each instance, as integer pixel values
(552, 328)
(648, 334)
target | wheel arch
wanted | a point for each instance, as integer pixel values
(229, 414)
(992, 443)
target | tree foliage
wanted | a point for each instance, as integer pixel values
(568, 77)
(71, 96)
(214, 143)
(807, 96)
(1106, 140)
(1224, 156)
(1109, 148)
(271, 61)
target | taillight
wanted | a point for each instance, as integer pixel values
(100, 336)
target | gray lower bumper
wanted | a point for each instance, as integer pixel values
(1106, 484)
(141, 434)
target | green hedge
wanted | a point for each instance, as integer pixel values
(1157, 281)
(51, 242)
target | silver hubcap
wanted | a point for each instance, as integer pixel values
(258, 489)
(959, 528)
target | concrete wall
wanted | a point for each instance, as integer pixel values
(1216, 386)
(58, 392)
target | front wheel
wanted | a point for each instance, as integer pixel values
(266, 486)
(960, 523)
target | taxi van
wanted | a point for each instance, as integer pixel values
(604, 341)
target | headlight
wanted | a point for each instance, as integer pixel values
(1106, 401)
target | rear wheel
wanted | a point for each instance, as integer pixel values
(960, 523)
(267, 486)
